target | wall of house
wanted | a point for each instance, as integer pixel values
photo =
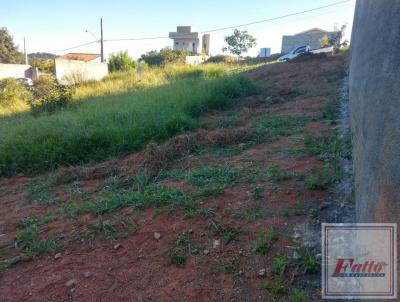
(375, 109)
(291, 42)
(186, 44)
(17, 71)
(72, 71)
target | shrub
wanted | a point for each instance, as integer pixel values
(48, 96)
(121, 61)
(12, 92)
(222, 59)
(164, 56)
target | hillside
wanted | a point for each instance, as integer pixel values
(211, 212)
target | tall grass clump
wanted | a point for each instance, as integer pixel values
(108, 126)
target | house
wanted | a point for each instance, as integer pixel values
(185, 39)
(311, 37)
(84, 57)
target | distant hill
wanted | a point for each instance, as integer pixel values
(42, 55)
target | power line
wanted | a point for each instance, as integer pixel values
(215, 29)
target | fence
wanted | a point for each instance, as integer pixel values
(73, 71)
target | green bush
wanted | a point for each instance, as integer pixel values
(48, 96)
(164, 56)
(121, 61)
(12, 92)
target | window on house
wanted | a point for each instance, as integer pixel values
(176, 43)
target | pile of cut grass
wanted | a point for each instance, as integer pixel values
(112, 125)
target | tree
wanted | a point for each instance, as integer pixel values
(8, 51)
(121, 61)
(334, 39)
(239, 42)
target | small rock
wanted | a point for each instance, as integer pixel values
(262, 272)
(202, 234)
(87, 274)
(70, 283)
(322, 205)
(190, 231)
(241, 145)
(240, 273)
(117, 246)
(206, 252)
(157, 236)
(58, 255)
(216, 243)
(318, 256)
(195, 251)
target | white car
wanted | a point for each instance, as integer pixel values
(294, 53)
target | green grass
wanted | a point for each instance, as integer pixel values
(28, 244)
(213, 175)
(114, 228)
(276, 126)
(108, 126)
(265, 241)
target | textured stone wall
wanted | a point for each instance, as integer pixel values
(375, 109)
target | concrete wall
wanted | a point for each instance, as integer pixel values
(72, 71)
(17, 71)
(375, 109)
(196, 60)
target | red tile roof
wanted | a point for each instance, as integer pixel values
(86, 57)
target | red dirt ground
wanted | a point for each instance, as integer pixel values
(137, 268)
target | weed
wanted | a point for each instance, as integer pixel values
(276, 126)
(285, 213)
(276, 287)
(230, 267)
(35, 220)
(279, 265)
(181, 247)
(177, 260)
(320, 180)
(28, 243)
(39, 190)
(314, 214)
(331, 110)
(256, 192)
(114, 228)
(213, 175)
(249, 213)
(228, 233)
(306, 262)
(297, 296)
(265, 241)
(275, 173)
(213, 190)
(298, 207)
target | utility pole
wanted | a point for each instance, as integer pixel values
(101, 40)
(26, 55)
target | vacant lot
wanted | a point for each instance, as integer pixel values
(207, 215)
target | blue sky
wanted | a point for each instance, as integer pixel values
(51, 25)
